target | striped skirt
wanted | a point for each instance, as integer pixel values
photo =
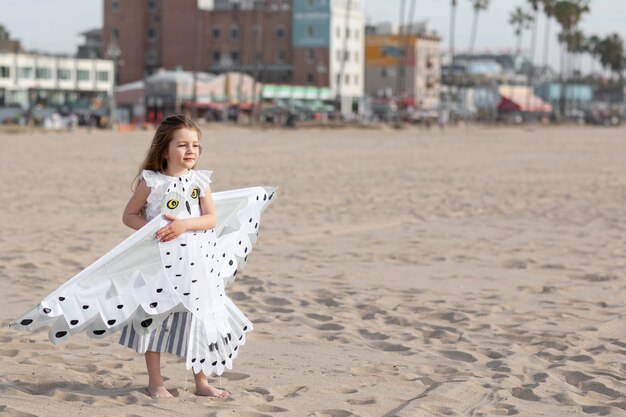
(171, 337)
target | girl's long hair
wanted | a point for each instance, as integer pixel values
(155, 157)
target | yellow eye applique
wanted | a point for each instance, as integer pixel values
(195, 193)
(172, 204)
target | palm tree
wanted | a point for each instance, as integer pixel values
(452, 86)
(478, 5)
(534, 4)
(592, 48)
(612, 56)
(520, 20)
(548, 10)
(452, 27)
(568, 14)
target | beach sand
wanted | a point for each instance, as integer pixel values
(476, 271)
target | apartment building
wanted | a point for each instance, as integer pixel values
(28, 79)
(403, 65)
(297, 42)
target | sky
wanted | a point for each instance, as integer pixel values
(55, 25)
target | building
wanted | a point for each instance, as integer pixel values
(406, 65)
(297, 42)
(92, 48)
(29, 79)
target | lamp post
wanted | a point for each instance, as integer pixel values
(114, 52)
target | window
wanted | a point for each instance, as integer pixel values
(347, 79)
(82, 75)
(387, 72)
(310, 31)
(338, 32)
(216, 56)
(152, 5)
(356, 34)
(310, 3)
(102, 76)
(281, 56)
(115, 34)
(280, 32)
(151, 33)
(216, 32)
(234, 57)
(347, 33)
(64, 74)
(338, 55)
(346, 56)
(356, 80)
(234, 32)
(258, 56)
(152, 56)
(115, 6)
(5, 72)
(310, 56)
(256, 32)
(310, 79)
(25, 73)
(338, 78)
(43, 73)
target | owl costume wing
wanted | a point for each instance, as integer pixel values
(142, 280)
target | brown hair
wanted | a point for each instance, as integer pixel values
(155, 157)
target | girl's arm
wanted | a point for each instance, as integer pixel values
(206, 221)
(133, 216)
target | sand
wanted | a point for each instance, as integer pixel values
(476, 271)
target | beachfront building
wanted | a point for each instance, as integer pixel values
(291, 42)
(31, 79)
(403, 64)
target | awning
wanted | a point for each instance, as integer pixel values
(520, 99)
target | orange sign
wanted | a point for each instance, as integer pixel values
(384, 50)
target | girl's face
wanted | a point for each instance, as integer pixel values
(182, 152)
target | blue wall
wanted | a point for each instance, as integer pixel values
(317, 17)
(552, 92)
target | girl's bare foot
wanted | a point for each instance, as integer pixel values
(207, 390)
(159, 392)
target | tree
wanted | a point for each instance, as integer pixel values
(4, 33)
(568, 13)
(478, 5)
(548, 10)
(612, 56)
(592, 48)
(520, 20)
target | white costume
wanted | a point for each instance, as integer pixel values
(166, 296)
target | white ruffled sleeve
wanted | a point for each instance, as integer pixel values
(152, 178)
(203, 179)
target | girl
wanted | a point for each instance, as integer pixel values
(163, 287)
(173, 153)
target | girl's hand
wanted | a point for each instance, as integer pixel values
(172, 230)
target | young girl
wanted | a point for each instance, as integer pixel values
(173, 153)
(163, 287)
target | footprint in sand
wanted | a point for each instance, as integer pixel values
(266, 408)
(332, 413)
(362, 401)
(330, 327)
(12, 412)
(372, 336)
(319, 317)
(235, 376)
(525, 394)
(458, 356)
